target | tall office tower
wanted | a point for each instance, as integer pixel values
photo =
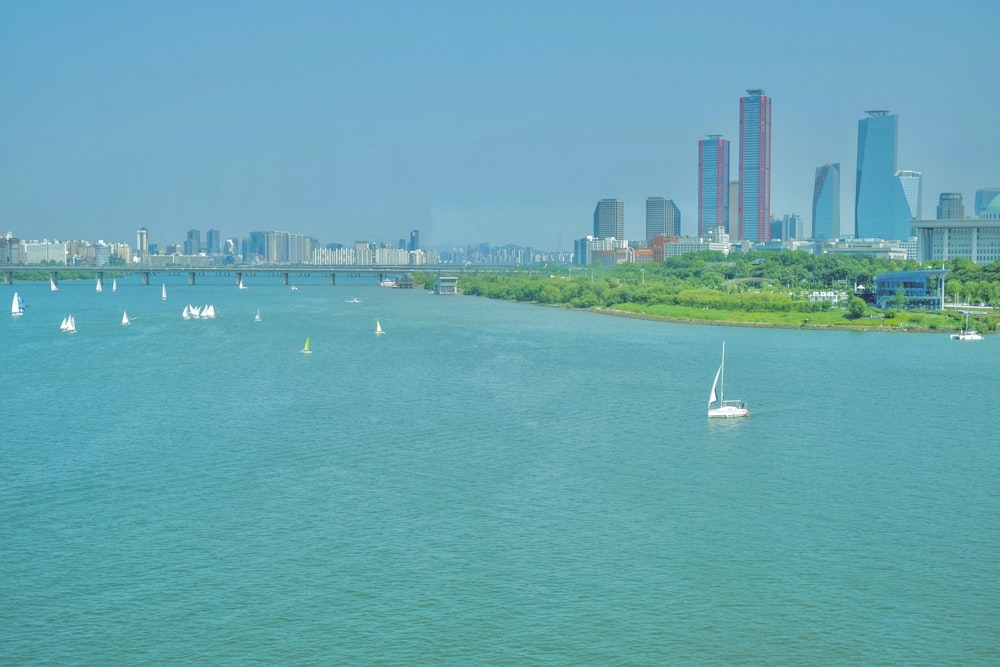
(414, 243)
(985, 197)
(663, 218)
(913, 190)
(609, 219)
(713, 180)
(142, 242)
(950, 206)
(755, 166)
(192, 245)
(733, 223)
(213, 242)
(826, 202)
(881, 209)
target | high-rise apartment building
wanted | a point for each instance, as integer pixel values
(755, 166)
(414, 242)
(882, 208)
(663, 218)
(713, 181)
(985, 197)
(826, 202)
(609, 219)
(950, 206)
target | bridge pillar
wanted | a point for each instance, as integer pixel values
(333, 278)
(8, 277)
(145, 278)
(191, 278)
(284, 278)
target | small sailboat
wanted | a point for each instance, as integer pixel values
(966, 333)
(100, 286)
(241, 285)
(114, 284)
(306, 350)
(354, 300)
(256, 318)
(71, 325)
(724, 408)
(163, 293)
(52, 285)
(64, 325)
(378, 328)
(17, 306)
(186, 313)
(125, 320)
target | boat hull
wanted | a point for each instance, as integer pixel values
(727, 412)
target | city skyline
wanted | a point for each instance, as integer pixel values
(352, 122)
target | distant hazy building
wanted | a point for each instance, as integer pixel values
(213, 242)
(609, 219)
(414, 243)
(663, 218)
(192, 244)
(985, 197)
(881, 209)
(733, 217)
(713, 180)
(755, 166)
(912, 183)
(142, 242)
(826, 202)
(950, 206)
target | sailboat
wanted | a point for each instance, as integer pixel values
(114, 284)
(125, 320)
(186, 313)
(378, 328)
(966, 333)
(306, 350)
(71, 325)
(17, 306)
(163, 293)
(52, 285)
(724, 408)
(256, 318)
(64, 325)
(241, 285)
(100, 286)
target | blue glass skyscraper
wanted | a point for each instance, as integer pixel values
(713, 183)
(826, 202)
(881, 210)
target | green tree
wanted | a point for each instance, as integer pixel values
(856, 307)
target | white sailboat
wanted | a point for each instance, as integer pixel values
(71, 325)
(125, 320)
(966, 333)
(378, 328)
(52, 285)
(186, 313)
(724, 408)
(163, 293)
(114, 284)
(256, 318)
(100, 286)
(64, 325)
(241, 285)
(17, 306)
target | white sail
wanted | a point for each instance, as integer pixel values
(71, 325)
(125, 320)
(114, 284)
(163, 293)
(712, 397)
(64, 325)
(256, 317)
(186, 313)
(100, 286)
(378, 328)
(17, 306)
(724, 408)
(52, 285)
(241, 285)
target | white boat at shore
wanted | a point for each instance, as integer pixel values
(724, 408)
(966, 333)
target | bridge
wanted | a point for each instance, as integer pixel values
(380, 273)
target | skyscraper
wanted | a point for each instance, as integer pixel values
(755, 166)
(826, 202)
(913, 190)
(733, 222)
(213, 242)
(950, 206)
(414, 243)
(663, 218)
(713, 180)
(609, 219)
(142, 242)
(881, 209)
(192, 245)
(984, 197)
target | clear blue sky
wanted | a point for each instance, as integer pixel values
(472, 122)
